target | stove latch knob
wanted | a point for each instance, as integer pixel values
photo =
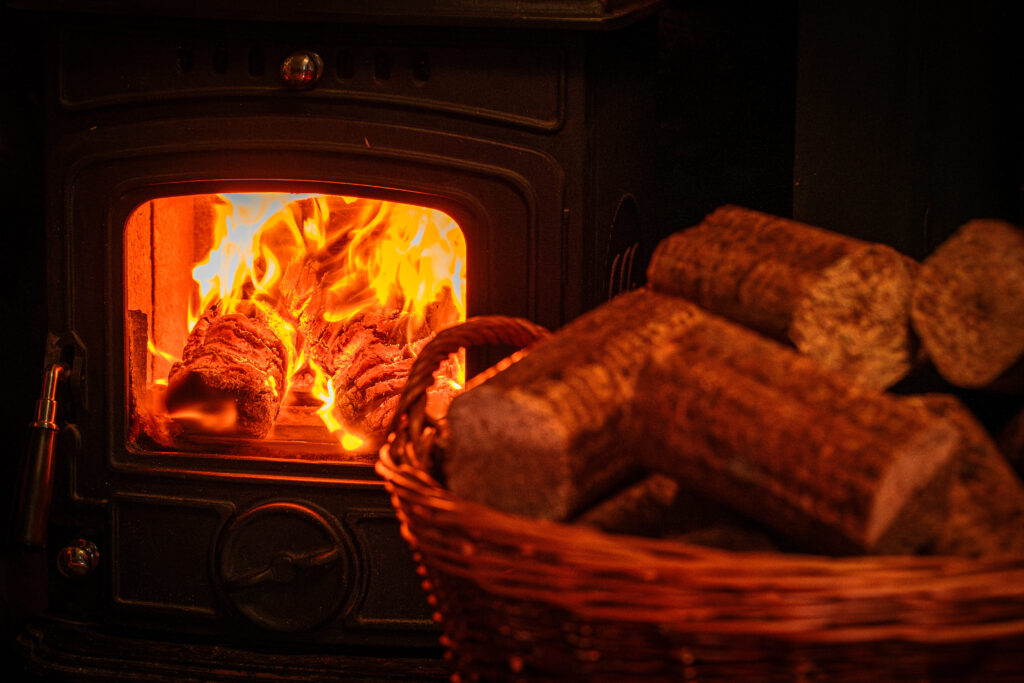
(78, 559)
(301, 70)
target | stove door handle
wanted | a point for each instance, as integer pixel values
(282, 568)
(35, 488)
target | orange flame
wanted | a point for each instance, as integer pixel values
(160, 353)
(331, 257)
(209, 417)
(323, 389)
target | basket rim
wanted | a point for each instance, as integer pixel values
(586, 571)
(596, 576)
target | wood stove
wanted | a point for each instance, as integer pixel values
(526, 127)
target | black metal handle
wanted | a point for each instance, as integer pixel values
(283, 567)
(35, 488)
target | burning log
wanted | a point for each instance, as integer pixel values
(653, 380)
(368, 358)
(839, 300)
(232, 375)
(984, 510)
(968, 306)
(370, 365)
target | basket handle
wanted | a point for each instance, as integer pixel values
(411, 422)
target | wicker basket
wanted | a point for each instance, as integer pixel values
(520, 599)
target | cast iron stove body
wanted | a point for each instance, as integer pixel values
(529, 129)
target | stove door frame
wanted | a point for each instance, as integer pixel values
(508, 200)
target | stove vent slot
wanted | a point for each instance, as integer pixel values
(346, 64)
(421, 67)
(185, 58)
(382, 66)
(220, 59)
(257, 61)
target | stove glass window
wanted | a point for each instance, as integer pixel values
(283, 325)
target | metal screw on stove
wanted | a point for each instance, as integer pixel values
(78, 559)
(301, 70)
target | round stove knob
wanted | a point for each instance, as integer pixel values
(301, 70)
(78, 559)
(286, 566)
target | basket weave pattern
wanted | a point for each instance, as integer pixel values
(522, 599)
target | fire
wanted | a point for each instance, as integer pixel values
(323, 389)
(151, 347)
(309, 262)
(209, 417)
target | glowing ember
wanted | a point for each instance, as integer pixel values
(349, 288)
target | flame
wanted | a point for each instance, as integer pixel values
(160, 353)
(294, 256)
(208, 416)
(241, 253)
(323, 389)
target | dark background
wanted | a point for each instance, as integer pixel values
(892, 121)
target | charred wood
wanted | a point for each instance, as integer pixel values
(369, 357)
(233, 363)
